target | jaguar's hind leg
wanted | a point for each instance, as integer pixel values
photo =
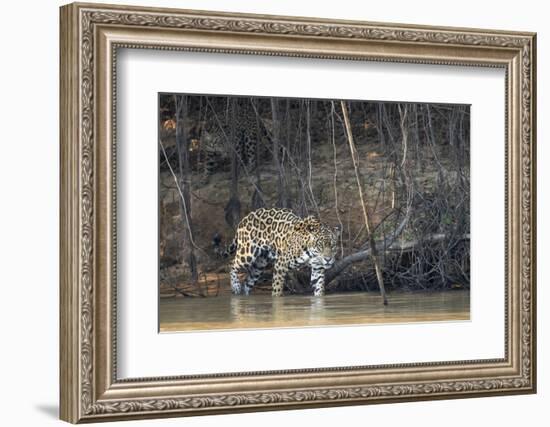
(234, 276)
(279, 274)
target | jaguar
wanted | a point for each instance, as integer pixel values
(279, 238)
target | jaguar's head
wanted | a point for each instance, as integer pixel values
(319, 240)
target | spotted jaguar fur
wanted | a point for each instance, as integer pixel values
(280, 238)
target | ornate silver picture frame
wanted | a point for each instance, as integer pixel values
(91, 36)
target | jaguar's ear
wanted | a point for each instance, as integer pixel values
(337, 230)
(312, 223)
(309, 224)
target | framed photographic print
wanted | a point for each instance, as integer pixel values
(267, 212)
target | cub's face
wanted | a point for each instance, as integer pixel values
(321, 241)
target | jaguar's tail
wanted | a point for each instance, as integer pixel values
(224, 252)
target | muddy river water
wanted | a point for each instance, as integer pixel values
(263, 311)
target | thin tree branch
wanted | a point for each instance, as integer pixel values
(354, 156)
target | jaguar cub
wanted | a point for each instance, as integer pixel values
(280, 238)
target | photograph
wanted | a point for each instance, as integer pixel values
(294, 212)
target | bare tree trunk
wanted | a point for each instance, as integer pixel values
(257, 196)
(404, 131)
(372, 243)
(233, 207)
(380, 124)
(452, 123)
(281, 193)
(309, 163)
(182, 147)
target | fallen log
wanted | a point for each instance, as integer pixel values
(385, 246)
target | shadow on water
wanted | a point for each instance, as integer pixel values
(263, 311)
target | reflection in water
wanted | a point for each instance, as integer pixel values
(317, 309)
(245, 310)
(264, 311)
